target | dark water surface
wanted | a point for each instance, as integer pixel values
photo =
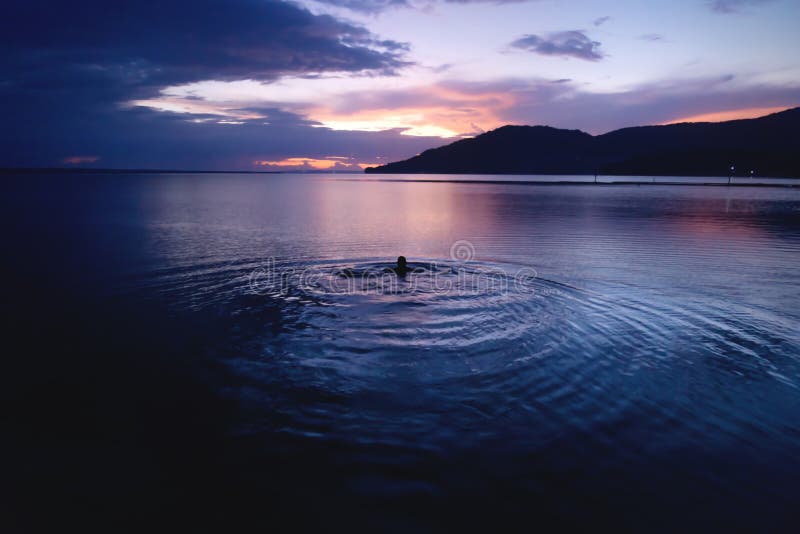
(216, 351)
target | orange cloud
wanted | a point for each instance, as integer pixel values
(436, 111)
(298, 162)
(720, 116)
(330, 163)
(77, 160)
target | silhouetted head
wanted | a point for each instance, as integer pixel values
(401, 262)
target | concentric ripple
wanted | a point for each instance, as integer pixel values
(347, 348)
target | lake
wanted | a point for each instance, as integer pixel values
(232, 349)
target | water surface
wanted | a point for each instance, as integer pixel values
(591, 353)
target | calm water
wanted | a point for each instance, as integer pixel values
(619, 354)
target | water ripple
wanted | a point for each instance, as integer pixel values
(475, 346)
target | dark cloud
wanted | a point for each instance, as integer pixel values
(733, 6)
(573, 43)
(144, 138)
(366, 6)
(77, 60)
(487, 1)
(651, 37)
(376, 6)
(170, 41)
(66, 69)
(601, 20)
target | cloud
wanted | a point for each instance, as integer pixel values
(337, 103)
(487, 1)
(573, 43)
(733, 6)
(376, 6)
(366, 6)
(145, 138)
(652, 37)
(572, 106)
(330, 163)
(157, 43)
(66, 79)
(456, 108)
(601, 20)
(67, 75)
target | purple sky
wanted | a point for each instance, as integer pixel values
(339, 84)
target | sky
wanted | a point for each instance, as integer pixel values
(344, 84)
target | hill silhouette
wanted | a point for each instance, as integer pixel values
(768, 145)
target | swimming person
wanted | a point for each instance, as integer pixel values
(402, 268)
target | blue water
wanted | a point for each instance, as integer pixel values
(231, 349)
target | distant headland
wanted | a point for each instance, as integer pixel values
(767, 146)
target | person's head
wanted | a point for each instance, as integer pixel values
(401, 261)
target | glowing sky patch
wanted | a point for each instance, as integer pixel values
(343, 104)
(299, 162)
(720, 116)
(330, 163)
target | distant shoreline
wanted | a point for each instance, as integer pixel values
(601, 179)
(572, 182)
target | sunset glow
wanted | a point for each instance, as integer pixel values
(299, 162)
(289, 83)
(737, 114)
(311, 163)
(432, 111)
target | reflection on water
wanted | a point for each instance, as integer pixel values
(554, 338)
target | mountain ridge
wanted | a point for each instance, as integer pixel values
(768, 145)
